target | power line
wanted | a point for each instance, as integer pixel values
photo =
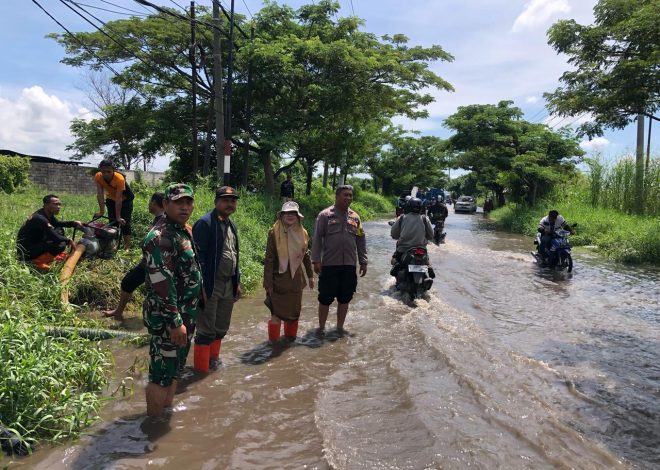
(123, 7)
(123, 46)
(352, 9)
(178, 5)
(228, 16)
(113, 11)
(248, 9)
(84, 46)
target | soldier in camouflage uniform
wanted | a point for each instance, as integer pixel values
(174, 290)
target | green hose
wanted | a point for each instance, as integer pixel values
(90, 333)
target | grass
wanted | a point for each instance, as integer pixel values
(50, 388)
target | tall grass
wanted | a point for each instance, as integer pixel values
(612, 186)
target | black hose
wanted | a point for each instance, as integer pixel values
(90, 333)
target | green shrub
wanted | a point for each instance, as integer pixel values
(13, 173)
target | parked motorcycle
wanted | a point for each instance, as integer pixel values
(412, 272)
(558, 254)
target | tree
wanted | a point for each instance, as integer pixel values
(125, 134)
(319, 81)
(409, 161)
(617, 74)
(506, 152)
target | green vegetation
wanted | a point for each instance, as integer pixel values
(50, 388)
(13, 173)
(622, 237)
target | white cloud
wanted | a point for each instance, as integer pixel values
(595, 144)
(538, 12)
(35, 122)
(531, 100)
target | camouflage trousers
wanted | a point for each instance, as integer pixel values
(167, 359)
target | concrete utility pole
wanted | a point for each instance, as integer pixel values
(217, 91)
(639, 166)
(193, 64)
(248, 118)
(230, 72)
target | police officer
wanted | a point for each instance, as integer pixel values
(174, 289)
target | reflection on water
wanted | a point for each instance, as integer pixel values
(503, 365)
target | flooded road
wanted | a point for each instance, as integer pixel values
(503, 366)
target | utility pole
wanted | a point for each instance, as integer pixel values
(648, 145)
(639, 166)
(217, 91)
(193, 60)
(248, 118)
(230, 71)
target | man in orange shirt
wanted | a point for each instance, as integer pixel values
(113, 192)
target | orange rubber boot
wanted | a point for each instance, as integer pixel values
(202, 358)
(43, 261)
(273, 331)
(291, 329)
(215, 349)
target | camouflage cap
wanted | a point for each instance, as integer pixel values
(177, 191)
(226, 191)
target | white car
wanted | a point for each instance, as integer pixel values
(465, 204)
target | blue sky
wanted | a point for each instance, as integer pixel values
(499, 46)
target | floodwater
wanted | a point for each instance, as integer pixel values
(504, 365)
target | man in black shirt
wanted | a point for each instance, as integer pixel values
(41, 239)
(287, 189)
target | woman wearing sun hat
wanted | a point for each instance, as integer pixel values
(286, 254)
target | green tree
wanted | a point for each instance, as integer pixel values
(125, 134)
(320, 81)
(409, 161)
(616, 69)
(504, 151)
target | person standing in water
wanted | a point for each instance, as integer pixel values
(286, 254)
(339, 244)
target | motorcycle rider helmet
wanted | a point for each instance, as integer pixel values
(415, 205)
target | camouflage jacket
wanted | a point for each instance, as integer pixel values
(174, 278)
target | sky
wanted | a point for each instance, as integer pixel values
(500, 50)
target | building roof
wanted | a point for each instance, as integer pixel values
(39, 159)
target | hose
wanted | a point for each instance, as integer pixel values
(67, 270)
(90, 333)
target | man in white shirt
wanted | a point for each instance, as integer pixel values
(547, 227)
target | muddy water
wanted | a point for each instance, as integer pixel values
(503, 366)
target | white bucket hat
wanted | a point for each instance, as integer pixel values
(290, 206)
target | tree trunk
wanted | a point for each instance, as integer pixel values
(386, 185)
(639, 166)
(310, 173)
(499, 193)
(269, 180)
(531, 194)
(334, 177)
(325, 173)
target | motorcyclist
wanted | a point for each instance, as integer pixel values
(547, 227)
(411, 229)
(438, 212)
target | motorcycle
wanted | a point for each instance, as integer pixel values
(558, 254)
(438, 227)
(412, 272)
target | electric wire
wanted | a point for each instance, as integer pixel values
(113, 11)
(84, 46)
(123, 7)
(123, 46)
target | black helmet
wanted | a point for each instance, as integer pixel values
(415, 205)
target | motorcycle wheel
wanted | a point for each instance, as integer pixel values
(570, 263)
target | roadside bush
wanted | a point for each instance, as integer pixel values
(13, 173)
(48, 386)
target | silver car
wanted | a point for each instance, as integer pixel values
(465, 204)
